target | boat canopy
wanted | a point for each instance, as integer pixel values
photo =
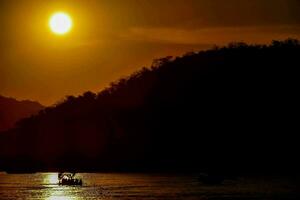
(66, 175)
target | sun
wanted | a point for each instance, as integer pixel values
(60, 23)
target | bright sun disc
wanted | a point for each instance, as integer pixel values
(60, 23)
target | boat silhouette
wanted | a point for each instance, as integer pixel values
(69, 179)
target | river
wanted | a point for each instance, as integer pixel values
(121, 186)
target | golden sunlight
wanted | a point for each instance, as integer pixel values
(60, 23)
(51, 178)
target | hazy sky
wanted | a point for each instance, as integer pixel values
(112, 38)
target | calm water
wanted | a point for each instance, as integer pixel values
(141, 187)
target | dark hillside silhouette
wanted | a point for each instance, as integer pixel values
(12, 111)
(230, 109)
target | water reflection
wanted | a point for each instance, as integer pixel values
(60, 195)
(55, 191)
(51, 178)
(44, 186)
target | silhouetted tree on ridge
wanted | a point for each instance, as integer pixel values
(225, 109)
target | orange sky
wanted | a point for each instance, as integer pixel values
(112, 38)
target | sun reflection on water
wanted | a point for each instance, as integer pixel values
(60, 198)
(51, 178)
(60, 194)
(57, 192)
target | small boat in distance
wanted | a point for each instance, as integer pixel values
(69, 179)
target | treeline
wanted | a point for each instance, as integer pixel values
(228, 109)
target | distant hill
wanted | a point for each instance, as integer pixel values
(230, 109)
(12, 111)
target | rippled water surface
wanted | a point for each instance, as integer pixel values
(141, 187)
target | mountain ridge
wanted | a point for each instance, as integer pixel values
(226, 109)
(12, 110)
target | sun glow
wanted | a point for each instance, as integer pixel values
(60, 23)
(51, 178)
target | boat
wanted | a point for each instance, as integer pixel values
(69, 179)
